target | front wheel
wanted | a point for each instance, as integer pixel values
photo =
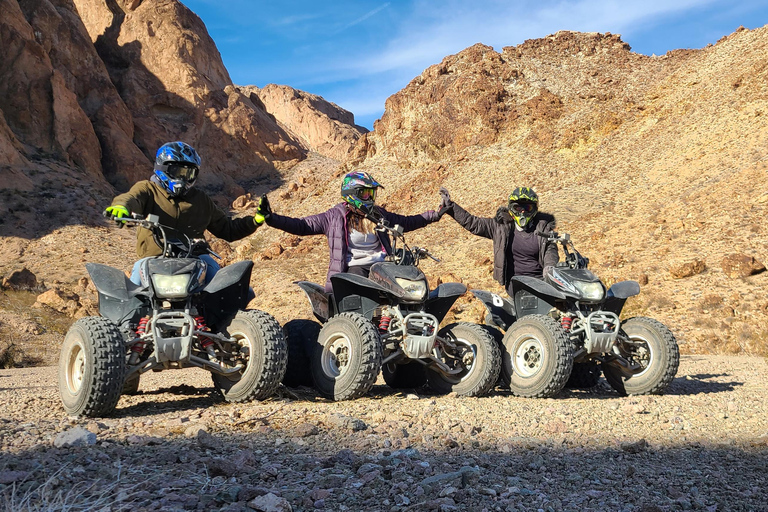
(537, 356)
(259, 346)
(476, 355)
(91, 367)
(346, 357)
(653, 346)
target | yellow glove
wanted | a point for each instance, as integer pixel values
(117, 212)
(263, 211)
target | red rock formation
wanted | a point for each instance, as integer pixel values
(321, 126)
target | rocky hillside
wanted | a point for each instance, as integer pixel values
(321, 126)
(91, 89)
(655, 165)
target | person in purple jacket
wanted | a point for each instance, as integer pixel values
(352, 238)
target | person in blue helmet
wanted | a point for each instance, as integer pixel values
(170, 194)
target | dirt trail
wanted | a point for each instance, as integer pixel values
(176, 446)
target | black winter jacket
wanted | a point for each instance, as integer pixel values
(501, 229)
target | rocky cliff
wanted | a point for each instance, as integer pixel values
(322, 126)
(91, 89)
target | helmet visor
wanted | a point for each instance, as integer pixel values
(522, 208)
(182, 171)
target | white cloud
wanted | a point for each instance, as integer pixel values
(428, 34)
(364, 17)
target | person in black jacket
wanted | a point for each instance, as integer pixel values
(517, 248)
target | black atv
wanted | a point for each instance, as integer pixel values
(565, 330)
(172, 320)
(389, 321)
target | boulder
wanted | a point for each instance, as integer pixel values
(22, 279)
(688, 269)
(740, 265)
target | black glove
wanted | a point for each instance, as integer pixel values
(446, 205)
(263, 210)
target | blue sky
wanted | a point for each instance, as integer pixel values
(358, 53)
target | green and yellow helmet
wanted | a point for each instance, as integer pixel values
(523, 205)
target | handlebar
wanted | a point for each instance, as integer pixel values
(396, 232)
(152, 223)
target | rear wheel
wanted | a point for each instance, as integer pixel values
(346, 357)
(91, 367)
(654, 347)
(475, 355)
(405, 375)
(300, 335)
(260, 348)
(498, 337)
(537, 356)
(584, 375)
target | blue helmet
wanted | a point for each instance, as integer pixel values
(176, 167)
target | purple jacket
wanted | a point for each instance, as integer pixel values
(333, 224)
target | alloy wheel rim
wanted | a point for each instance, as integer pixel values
(76, 369)
(336, 356)
(641, 353)
(528, 356)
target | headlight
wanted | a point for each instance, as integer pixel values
(416, 290)
(590, 291)
(170, 287)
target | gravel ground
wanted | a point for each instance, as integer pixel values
(176, 446)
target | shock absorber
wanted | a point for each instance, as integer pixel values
(566, 321)
(384, 323)
(205, 341)
(138, 348)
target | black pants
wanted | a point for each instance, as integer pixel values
(360, 270)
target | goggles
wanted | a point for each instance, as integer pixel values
(367, 194)
(522, 207)
(186, 172)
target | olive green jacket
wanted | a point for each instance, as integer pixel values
(190, 214)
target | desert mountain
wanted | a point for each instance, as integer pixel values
(656, 165)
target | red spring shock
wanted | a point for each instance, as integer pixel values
(384, 323)
(200, 326)
(566, 321)
(141, 330)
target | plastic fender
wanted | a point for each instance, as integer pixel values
(441, 299)
(501, 309)
(318, 298)
(537, 287)
(111, 282)
(230, 275)
(624, 289)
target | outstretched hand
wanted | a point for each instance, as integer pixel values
(446, 205)
(116, 213)
(263, 211)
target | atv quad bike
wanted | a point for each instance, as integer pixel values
(389, 322)
(172, 320)
(565, 329)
